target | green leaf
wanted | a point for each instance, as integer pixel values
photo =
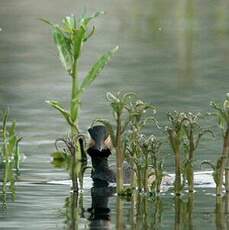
(12, 129)
(89, 35)
(46, 21)
(69, 23)
(85, 20)
(78, 37)
(66, 114)
(59, 164)
(96, 69)
(61, 156)
(63, 44)
(5, 118)
(61, 160)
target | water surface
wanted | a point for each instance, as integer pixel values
(174, 54)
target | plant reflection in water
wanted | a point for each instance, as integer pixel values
(222, 212)
(140, 211)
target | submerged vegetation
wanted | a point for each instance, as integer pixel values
(70, 38)
(10, 157)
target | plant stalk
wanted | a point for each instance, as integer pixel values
(226, 153)
(178, 173)
(119, 156)
(224, 166)
(191, 156)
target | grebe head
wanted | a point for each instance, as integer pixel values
(100, 137)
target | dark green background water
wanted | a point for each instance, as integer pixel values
(174, 54)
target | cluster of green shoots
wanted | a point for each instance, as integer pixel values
(10, 156)
(70, 37)
(132, 144)
(142, 151)
(185, 132)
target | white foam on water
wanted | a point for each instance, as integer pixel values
(202, 179)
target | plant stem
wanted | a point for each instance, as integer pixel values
(145, 179)
(224, 166)
(119, 154)
(178, 173)
(226, 152)
(74, 100)
(119, 214)
(74, 175)
(191, 156)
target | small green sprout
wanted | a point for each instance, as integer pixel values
(10, 156)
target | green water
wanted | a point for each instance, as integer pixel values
(174, 54)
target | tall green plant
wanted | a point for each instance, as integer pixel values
(222, 113)
(70, 38)
(118, 104)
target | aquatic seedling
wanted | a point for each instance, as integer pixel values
(222, 114)
(176, 137)
(10, 156)
(193, 134)
(143, 153)
(185, 134)
(118, 104)
(64, 157)
(138, 119)
(157, 165)
(69, 39)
